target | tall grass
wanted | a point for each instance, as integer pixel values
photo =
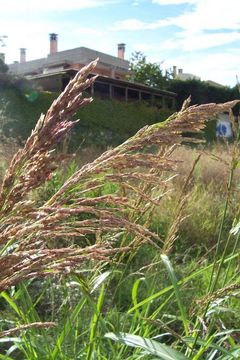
(89, 270)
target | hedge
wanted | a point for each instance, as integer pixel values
(103, 122)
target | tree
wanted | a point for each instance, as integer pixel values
(201, 92)
(5, 78)
(147, 73)
(3, 67)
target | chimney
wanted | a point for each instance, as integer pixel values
(53, 43)
(174, 71)
(180, 71)
(2, 57)
(121, 51)
(22, 55)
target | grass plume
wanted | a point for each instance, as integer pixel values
(79, 224)
(26, 228)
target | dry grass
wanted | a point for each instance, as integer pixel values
(8, 148)
(213, 166)
(75, 211)
(86, 155)
(190, 216)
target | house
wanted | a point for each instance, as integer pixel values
(180, 75)
(111, 66)
(54, 72)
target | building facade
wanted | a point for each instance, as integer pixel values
(55, 71)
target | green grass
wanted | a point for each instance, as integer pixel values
(148, 302)
(169, 297)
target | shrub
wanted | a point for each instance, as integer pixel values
(105, 122)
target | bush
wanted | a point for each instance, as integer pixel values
(104, 123)
(110, 122)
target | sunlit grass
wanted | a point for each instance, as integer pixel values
(131, 256)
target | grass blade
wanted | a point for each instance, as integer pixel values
(174, 281)
(150, 346)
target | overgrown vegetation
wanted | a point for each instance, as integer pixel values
(148, 73)
(105, 122)
(125, 258)
(3, 67)
(201, 92)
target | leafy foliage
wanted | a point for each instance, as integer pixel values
(3, 67)
(146, 72)
(201, 92)
(104, 122)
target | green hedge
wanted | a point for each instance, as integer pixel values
(21, 108)
(103, 122)
(111, 122)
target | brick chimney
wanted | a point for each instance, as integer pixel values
(22, 55)
(53, 43)
(174, 71)
(121, 51)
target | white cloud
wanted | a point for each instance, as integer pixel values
(135, 25)
(145, 47)
(200, 41)
(209, 23)
(53, 5)
(217, 67)
(205, 15)
(202, 30)
(33, 35)
(27, 25)
(209, 15)
(173, 2)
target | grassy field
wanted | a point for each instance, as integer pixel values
(129, 254)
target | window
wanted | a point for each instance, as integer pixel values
(101, 90)
(119, 93)
(133, 95)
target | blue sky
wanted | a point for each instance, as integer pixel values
(200, 36)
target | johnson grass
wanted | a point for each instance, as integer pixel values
(131, 256)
